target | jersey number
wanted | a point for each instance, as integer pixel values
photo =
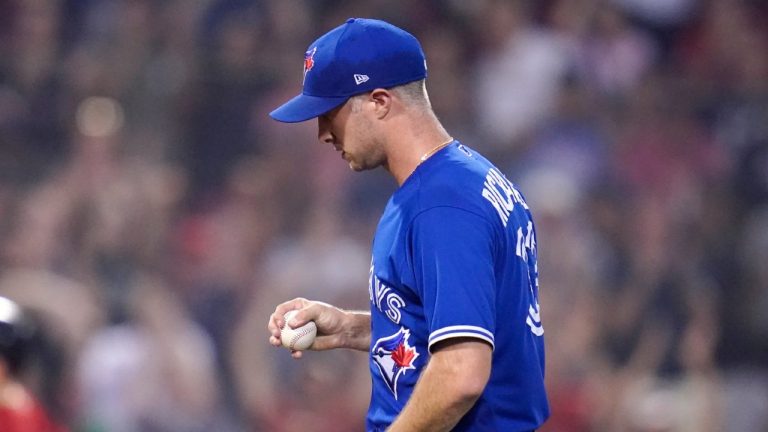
(526, 250)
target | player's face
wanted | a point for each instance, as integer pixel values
(351, 131)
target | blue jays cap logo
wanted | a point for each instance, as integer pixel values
(393, 355)
(309, 60)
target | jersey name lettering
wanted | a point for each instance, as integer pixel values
(501, 194)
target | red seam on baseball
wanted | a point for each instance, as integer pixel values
(298, 336)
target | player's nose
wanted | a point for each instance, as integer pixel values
(324, 134)
(325, 138)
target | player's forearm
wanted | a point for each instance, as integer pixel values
(435, 406)
(448, 388)
(357, 330)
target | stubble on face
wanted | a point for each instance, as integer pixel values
(353, 134)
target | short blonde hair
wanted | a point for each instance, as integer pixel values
(413, 93)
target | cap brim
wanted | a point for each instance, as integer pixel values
(304, 107)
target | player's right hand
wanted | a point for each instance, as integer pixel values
(329, 320)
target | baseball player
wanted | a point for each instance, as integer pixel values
(454, 333)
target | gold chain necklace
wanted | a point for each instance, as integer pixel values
(426, 155)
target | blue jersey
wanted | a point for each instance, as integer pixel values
(454, 255)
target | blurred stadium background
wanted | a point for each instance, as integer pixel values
(153, 214)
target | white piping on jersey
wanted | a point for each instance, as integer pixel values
(461, 331)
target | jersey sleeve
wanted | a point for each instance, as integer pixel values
(452, 253)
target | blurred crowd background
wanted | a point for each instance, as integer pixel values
(152, 215)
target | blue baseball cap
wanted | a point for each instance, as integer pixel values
(356, 57)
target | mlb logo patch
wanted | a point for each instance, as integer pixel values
(394, 355)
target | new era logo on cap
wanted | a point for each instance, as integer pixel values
(390, 56)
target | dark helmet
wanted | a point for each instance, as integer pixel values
(17, 331)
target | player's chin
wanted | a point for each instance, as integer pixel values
(353, 164)
(358, 166)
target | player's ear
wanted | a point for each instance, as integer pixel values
(382, 102)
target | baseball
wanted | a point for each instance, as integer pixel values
(297, 339)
